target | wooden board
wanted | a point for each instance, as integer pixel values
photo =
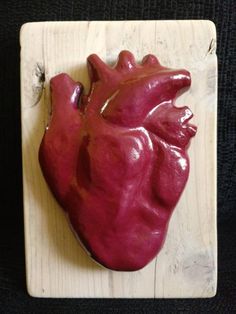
(55, 263)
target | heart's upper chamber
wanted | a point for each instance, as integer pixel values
(116, 159)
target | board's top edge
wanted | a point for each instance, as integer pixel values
(29, 25)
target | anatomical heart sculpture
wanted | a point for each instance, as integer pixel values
(116, 159)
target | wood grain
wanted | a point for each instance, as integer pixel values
(56, 265)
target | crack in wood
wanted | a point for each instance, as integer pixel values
(38, 83)
(212, 47)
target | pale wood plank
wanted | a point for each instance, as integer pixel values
(56, 265)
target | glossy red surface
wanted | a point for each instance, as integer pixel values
(116, 159)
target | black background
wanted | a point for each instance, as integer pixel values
(13, 295)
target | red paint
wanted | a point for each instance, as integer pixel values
(116, 159)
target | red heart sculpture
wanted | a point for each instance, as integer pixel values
(116, 159)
